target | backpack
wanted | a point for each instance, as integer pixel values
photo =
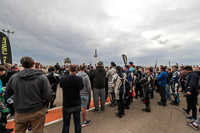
(120, 83)
(121, 88)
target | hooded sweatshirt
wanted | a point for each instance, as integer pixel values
(31, 90)
(86, 82)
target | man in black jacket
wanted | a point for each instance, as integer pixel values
(99, 86)
(192, 85)
(71, 86)
(32, 93)
(54, 81)
(11, 72)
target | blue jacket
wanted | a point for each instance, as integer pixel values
(162, 79)
(129, 77)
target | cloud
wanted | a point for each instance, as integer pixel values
(50, 31)
(156, 37)
(163, 42)
(174, 46)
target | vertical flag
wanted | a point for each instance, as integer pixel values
(124, 58)
(5, 53)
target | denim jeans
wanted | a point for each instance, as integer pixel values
(168, 92)
(67, 117)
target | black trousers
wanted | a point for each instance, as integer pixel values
(120, 104)
(147, 97)
(138, 91)
(163, 94)
(152, 93)
(127, 96)
(192, 104)
(183, 86)
(140, 88)
(53, 98)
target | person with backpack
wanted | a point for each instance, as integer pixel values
(118, 83)
(192, 85)
(175, 85)
(148, 86)
(54, 81)
(162, 81)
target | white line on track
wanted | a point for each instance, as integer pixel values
(56, 121)
(53, 122)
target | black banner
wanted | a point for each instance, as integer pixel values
(124, 58)
(5, 54)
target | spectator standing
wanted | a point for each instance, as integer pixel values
(71, 86)
(192, 85)
(85, 92)
(99, 86)
(32, 93)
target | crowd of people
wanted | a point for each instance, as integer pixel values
(27, 91)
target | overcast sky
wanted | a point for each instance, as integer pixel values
(51, 30)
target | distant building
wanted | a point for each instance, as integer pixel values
(95, 58)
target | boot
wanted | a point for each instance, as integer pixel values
(126, 107)
(112, 104)
(115, 102)
(118, 115)
(148, 109)
(5, 130)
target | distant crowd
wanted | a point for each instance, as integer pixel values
(27, 91)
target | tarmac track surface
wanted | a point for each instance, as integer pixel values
(167, 119)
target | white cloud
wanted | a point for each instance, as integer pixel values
(143, 30)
